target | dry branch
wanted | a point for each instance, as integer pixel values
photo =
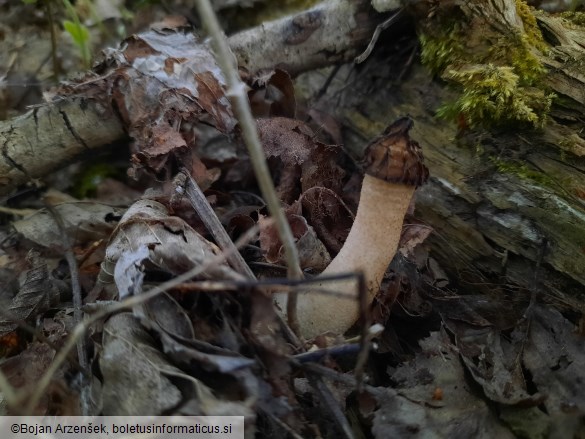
(51, 136)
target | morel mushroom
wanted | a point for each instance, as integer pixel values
(394, 168)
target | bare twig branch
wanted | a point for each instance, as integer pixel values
(241, 107)
(77, 304)
(214, 226)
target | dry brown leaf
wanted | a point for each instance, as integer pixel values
(304, 161)
(137, 379)
(288, 139)
(328, 214)
(412, 236)
(166, 80)
(272, 94)
(27, 368)
(312, 253)
(173, 246)
(412, 407)
(36, 294)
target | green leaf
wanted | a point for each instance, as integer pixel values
(78, 32)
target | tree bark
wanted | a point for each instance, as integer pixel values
(50, 136)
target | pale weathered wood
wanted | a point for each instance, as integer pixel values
(496, 230)
(51, 136)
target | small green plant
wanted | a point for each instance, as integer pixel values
(79, 33)
(73, 26)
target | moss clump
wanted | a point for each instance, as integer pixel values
(515, 51)
(494, 95)
(575, 17)
(532, 32)
(499, 74)
(440, 50)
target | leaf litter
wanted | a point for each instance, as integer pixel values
(445, 365)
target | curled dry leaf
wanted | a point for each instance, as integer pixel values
(129, 352)
(537, 364)
(312, 253)
(328, 214)
(288, 139)
(173, 246)
(326, 123)
(415, 407)
(164, 315)
(128, 274)
(188, 356)
(302, 157)
(272, 94)
(412, 236)
(27, 368)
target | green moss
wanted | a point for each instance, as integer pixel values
(440, 51)
(533, 34)
(522, 171)
(516, 52)
(575, 17)
(500, 76)
(493, 95)
(87, 182)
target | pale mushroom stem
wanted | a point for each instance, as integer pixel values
(394, 167)
(369, 248)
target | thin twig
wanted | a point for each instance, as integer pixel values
(236, 92)
(331, 404)
(271, 284)
(53, 39)
(382, 26)
(128, 303)
(334, 351)
(77, 304)
(339, 377)
(214, 226)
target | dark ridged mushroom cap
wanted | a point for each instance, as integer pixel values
(395, 157)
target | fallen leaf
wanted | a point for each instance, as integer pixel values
(84, 221)
(36, 294)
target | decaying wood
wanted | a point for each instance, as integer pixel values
(495, 229)
(508, 231)
(330, 33)
(50, 136)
